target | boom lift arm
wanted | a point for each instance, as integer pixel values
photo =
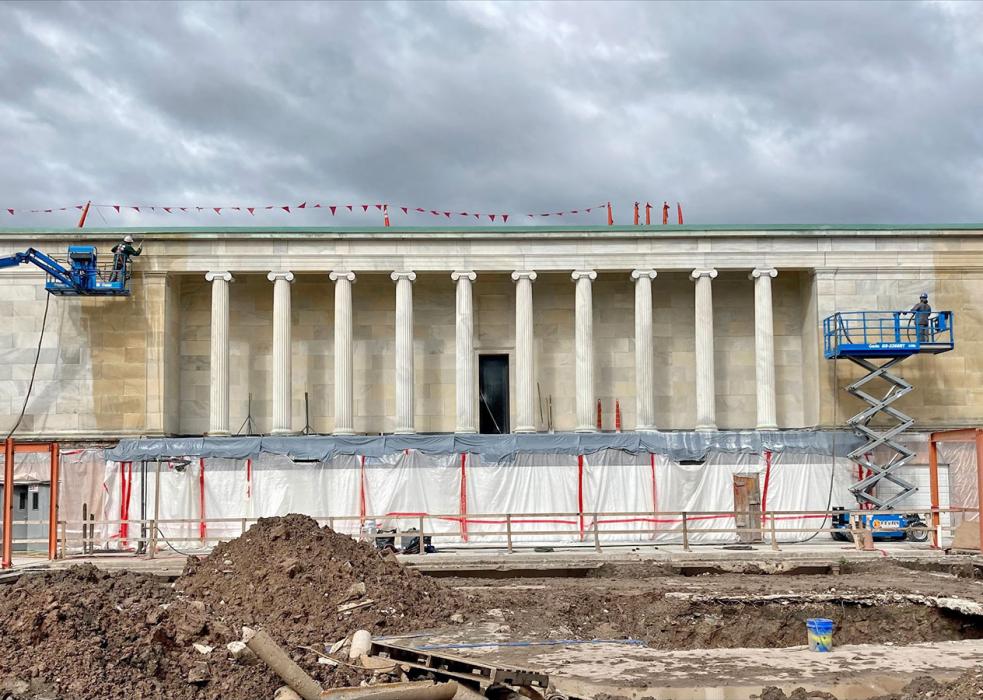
(82, 277)
(45, 262)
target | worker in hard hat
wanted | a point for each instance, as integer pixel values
(922, 311)
(122, 252)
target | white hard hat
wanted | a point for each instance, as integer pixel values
(127, 239)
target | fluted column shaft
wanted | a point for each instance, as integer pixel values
(525, 358)
(405, 406)
(464, 353)
(344, 422)
(764, 347)
(218, 408)
(282, 353)
(706, 403)
(584, 350)
(644, 361)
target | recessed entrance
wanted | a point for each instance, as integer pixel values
(493, 393)
(747, 507)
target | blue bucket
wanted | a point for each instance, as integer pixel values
(820, 634)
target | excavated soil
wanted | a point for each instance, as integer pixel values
(84, 633)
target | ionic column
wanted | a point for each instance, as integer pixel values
(764, 347)
(644, 361)
(344, 423)
(706, 404)
(282, 353)
(584, 351)
(525, 357)
(405, 408)
(218, 407)
(464, 353)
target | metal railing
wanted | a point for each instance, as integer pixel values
(511, 531)
(905, 329)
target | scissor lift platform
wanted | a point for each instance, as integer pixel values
(863, 337)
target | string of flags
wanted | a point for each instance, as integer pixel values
(384, 209)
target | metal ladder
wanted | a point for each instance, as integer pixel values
(864, 455)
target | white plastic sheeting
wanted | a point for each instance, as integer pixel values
(963, 491)
(551, 498)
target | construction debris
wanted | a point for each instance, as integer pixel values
(286, 668)
(414, 690)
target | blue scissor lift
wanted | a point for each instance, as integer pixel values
(878, 341)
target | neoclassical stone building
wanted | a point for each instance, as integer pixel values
(400, 330)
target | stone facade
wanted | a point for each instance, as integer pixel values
(142, 365)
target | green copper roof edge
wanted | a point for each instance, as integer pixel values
(496, 230)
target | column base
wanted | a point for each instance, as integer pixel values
(585, 430)
(343, 432)
(465, 431)
(767, 427)
(646, 428)
(706, 428)
(525, 429)
(218, 433)
(404, 431)
(282, 432)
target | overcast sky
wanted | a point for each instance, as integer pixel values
(745, 113)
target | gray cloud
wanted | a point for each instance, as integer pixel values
(746, 112)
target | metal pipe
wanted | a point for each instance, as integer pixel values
(8, 502)
(685, 534)
(979, 480)
(153, 531)
(54, 472)
(270, 652)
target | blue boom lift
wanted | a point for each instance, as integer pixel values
(83, 276)
(878, 341)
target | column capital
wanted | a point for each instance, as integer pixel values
(638, 274)
(280, 275)
(577, 274)
(763, 272)
(403, 275)
(224, 276)
(697, 274)
(524, 274)
(460, 274)
(336, 275)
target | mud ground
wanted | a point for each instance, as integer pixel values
(85, 633)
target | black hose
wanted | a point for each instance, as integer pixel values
(37, 356)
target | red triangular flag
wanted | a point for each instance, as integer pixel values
(199, 208)
(435, 212)
(78, 206)
(421, 210)
(405, 210)
(183, 208)
(236, 208)
(379, 207)
(167, 209)
(10, 211)
(218, 210)
(447, 214)
(251, 210)
(332, 208)
(317, 206)
(365, 207)
(136, 208)
(544, 214)
(302, 206)
(463, 213)
(505, 218)
(587, 210)
(491, 216)
(48, 211)
(559, 213)
(349, 207)
(62, 208)
(575, 211)
(116, 207)
(268, 207)
(477, 216)
(286, 209)
(530, 215)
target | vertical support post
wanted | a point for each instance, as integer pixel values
(85, 528)
(525, 352)
(64, 539)
(584, 349)
(979, 479)
(423, 549)
(55, 470)
(774, 538)
(933, 481)
(282, 353)
(218, 408)
(8, 502)
(706, 405)
(405, 377)
(466, 396)
(764, 347)
(344, 423)
(597, 535)
(685, 534)
(153, 530)
(644, 359)
(508, 531)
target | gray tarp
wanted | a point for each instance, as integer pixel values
(680, 445)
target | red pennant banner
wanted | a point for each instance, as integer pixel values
(349, 206)
(491, 216)
(302, 205)
(251, 210)
(505, 218)
(10, 211)
(167, 209)
(116, 207)
(332, 208)
(365, 207)
(405, 210)
(218, 210)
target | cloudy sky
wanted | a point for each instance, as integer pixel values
(745, 113)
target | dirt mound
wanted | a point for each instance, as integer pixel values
(85, 633)
(968, 685)
(295, 580)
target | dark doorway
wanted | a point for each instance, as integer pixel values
(493, 393)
